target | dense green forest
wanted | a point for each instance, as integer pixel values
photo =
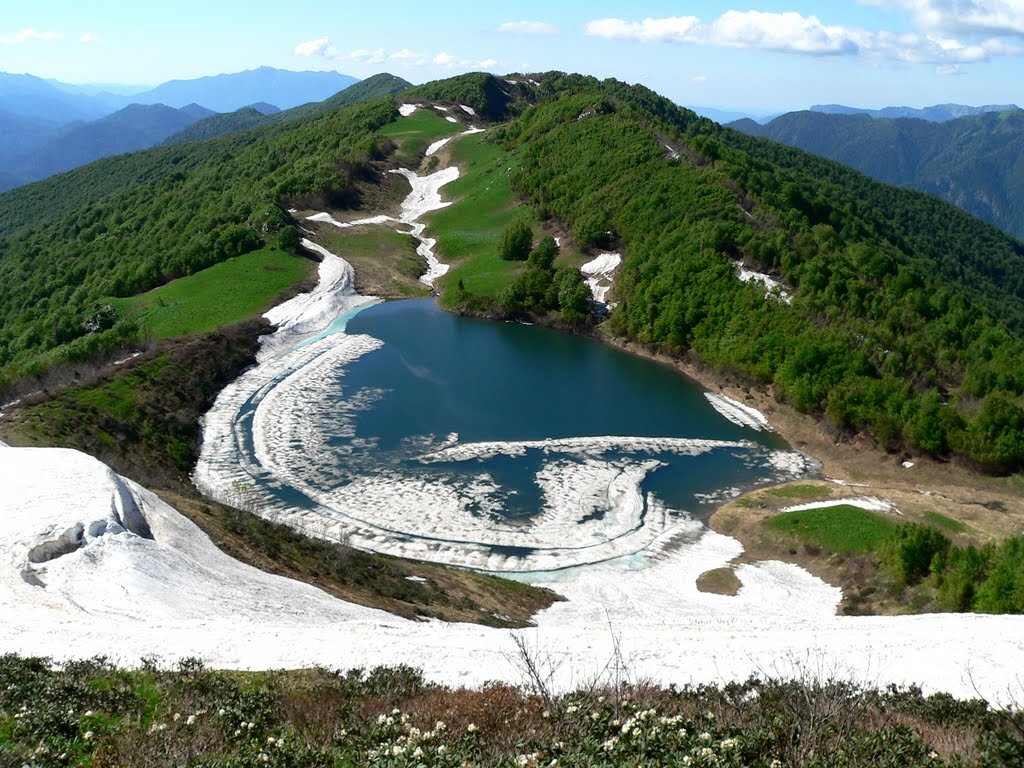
(976, 163)
(126, 224)
(906, 313)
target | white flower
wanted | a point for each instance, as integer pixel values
(87, 735)
(191, 720)
(177, 716)
(471, 727)
(546, 714)
(572, 709)
(88, 713)
(221, 712)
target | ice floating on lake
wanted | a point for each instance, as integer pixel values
(738, 413)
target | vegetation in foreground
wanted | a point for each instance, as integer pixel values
(91, 714)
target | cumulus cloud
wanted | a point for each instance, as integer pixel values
(28, 35)
(1001, 18)
(535, 28)
(791, 32)
(315, 47)
(404, 57)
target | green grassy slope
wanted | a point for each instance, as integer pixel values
(233, 290)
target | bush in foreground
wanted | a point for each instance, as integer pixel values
(90, 713)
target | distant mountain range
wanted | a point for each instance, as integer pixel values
(54, 150)
(49, 127)
(974, 162)
(226, 93)
(939, 113)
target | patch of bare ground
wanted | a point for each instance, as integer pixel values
(719, 581)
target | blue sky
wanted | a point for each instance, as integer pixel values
(758, 56)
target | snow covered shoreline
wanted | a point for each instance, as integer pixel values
(172, 594)
(122, 594)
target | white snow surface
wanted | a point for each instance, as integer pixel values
(125, 595)
(468, 110)
(451, 119)
(870, 503)
(310, 313)
(433, 148)
(597, 274)
(407, 109)
(772, 287)
(738, 413)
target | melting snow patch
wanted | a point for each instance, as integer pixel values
(771, 286)
(738, 413)
(439, 108)
(407, 109)
(451, 119)
(433, 148)
(468, 110)
(869, 503)
(598, 275)
(907, 464)
(672, 153)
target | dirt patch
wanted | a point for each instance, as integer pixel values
(720, 581)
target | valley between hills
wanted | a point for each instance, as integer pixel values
(411, 394)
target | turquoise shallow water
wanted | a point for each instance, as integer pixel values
(488, 445)
(439, 374)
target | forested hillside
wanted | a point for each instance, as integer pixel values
(976, 163)
(906, 314)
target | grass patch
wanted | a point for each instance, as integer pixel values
(385, 261)
(805, 492)
(840, 529)
(945, 523)
(467, 232)
(228, 292)
(415, 133)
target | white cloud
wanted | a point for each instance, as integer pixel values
(88, 37)
(947, 69)
(535, 28)
(28, 35)
(403, 57)
(317, 47)
(794, 33)
(699, 78)
(964, 17)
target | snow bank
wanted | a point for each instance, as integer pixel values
(451, 119)
(405, 110)
(771, 286)
(598, 275)
(468, 110)
(869, 503)
(310, 313)
(433, 148)
(173, 594)
(425, 197)
(738, 413)
(80, 545)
